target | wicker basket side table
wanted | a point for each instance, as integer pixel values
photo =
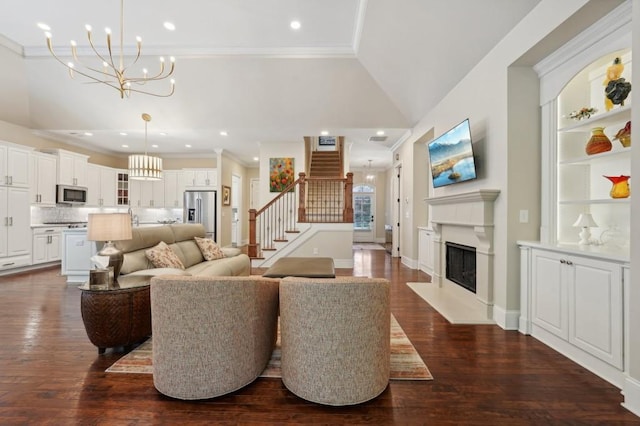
(116, 316)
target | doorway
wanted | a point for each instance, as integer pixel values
(364, 207)
(236, 210)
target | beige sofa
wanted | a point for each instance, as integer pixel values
(180, 237)
(211, 335)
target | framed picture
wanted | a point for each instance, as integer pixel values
(281, 173)
(226, 195)
(327, 141)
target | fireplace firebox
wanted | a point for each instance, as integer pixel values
(461, 265)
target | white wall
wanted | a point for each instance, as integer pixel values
(483, 97)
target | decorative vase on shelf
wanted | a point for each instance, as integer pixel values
(624, 135)
(599, 142)
(620, 187)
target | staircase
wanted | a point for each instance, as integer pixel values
(325, 164)
(312, 205)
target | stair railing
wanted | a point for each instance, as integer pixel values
(316, 200)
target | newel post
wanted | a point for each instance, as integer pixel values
(253, 246)
(302, 215)
(347, 214)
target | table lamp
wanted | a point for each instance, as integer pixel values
(110, 227)
(585, 221)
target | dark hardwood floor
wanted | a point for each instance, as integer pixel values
(50, 374)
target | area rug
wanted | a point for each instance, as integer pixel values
(456, 309)
(406, 363)
(368, 246)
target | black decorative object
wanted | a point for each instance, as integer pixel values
(618, 90)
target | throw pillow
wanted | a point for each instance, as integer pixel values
(163, 257)
(210, 250)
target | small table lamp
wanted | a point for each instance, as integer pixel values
(585, 221)
(110, 227)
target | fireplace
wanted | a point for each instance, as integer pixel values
(465, 219)
(461, 265)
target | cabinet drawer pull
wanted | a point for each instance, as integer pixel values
(8, 264)
(563, 261)
(569, 262)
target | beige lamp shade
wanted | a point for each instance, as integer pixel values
(109, 227)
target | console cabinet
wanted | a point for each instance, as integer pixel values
(575, 304)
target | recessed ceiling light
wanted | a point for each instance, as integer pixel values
(125, 146)
(295, 25)
(324, 133)
(123, 134)
(88, 134)
(380, 132)
(256, 158)
(154, 146)
(163, 134)
(223, 133)
(43, 26)
(169, 25)
(187, 146)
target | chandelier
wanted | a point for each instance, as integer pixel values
(145, 167)
(112, 72)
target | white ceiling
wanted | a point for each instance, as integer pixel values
(355, 67)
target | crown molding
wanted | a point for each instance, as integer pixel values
(11, 45)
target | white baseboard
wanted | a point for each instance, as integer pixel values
(410, 263)
(508, 320)
(631, 391)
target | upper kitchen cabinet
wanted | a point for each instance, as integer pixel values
(72, 167)
(14, 165)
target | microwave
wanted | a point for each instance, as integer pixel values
(66, 194)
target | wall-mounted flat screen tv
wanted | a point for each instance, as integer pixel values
(451, 156)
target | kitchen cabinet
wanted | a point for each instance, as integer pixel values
(14, 165)
(200, 178)
(146, 193)
(43, 179)
(15, 227)
(76, 255)
(101, 184)
(47, 245)
(72, 167)
(173, 188)
(574, 303)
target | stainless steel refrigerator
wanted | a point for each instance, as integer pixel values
(200, 207)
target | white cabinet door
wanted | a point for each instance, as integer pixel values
(201, 178)
(173, 188)
(39, 254)
(108, 185)
(4, 218)
(596, 308)
(72, 169)
(54, 250)
(549, 293)
(157, 191)
(135, 194)
(19, 219)
(18, 167)
(93, 185)
(14, 166)
(46, 179)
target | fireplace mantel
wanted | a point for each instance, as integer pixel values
(468, 219)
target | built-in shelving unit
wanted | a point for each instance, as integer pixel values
(581, 185)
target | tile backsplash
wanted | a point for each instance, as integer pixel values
(41, 215)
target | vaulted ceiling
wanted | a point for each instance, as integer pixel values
(355, 67)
